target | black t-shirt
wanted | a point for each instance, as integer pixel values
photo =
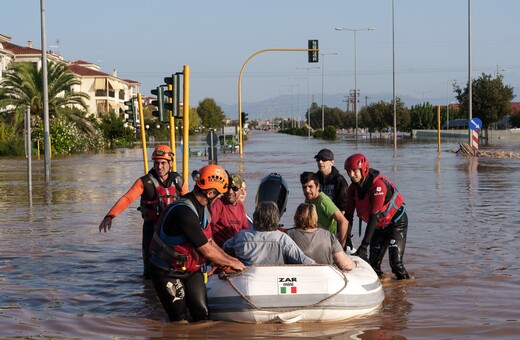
(183, 221)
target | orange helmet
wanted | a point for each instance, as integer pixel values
(213, 177)
(162, 152)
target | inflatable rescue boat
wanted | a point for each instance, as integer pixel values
(292, 293)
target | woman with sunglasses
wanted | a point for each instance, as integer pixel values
(159, 188)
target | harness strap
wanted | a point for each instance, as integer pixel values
(392, 204)
(165, 248)
(403, 210)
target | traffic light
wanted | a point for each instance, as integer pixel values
(243, 118)
(173, 95)
(313, 55)
(159, 92)
(130, 112)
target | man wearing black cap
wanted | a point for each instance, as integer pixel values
(332, 183)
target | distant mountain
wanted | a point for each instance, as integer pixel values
(280, 106)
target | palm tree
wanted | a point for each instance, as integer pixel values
(22, 86)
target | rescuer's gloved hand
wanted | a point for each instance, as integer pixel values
(362, 252)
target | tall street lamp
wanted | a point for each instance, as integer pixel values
(355, 30)
(322, 83)
(393, 80)
(292, 111)
(308, 95)
(298, 97)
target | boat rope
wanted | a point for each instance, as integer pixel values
(228, 278)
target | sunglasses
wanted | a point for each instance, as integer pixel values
(163, 153)
(235, 188)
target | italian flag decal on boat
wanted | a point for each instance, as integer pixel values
(287, 285)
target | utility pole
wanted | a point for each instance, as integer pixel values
(45, 99)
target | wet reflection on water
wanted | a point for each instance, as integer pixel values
(61, 278)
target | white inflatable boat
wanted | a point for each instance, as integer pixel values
(294, 293)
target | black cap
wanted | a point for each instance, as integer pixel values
(325, 155)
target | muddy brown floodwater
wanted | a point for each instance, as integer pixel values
(60, 278)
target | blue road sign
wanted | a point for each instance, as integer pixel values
(475, 124)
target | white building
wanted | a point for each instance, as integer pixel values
(107, 92)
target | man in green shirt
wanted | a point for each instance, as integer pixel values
(329, 215)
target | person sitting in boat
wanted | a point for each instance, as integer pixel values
(317, 243)
(329, 215)
(228, 215)
(242, 199)
(265, 244)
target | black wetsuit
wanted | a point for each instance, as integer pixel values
(189, 290)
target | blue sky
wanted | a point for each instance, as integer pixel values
(148, 40)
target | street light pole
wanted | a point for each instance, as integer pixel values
(394, 102)
(470, 89)
(355, 30)
(298, 97)
(308, 96)
(322, 86)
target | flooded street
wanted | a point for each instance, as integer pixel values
(60, 278)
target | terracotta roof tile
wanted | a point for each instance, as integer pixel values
(131, 81)
(85, 71)
(4, 37)
(74, 66)
(20, 50)
(79, 62)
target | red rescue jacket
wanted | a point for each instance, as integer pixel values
(151, 209)
(175, 251)
(389, 209)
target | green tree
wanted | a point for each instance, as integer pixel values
(330, 133)
(333, 117)
(315, 112)
(211, 115)
(114, 131)
(423, 117)
(373, 116)
(195, 121)
(380, 116)
(70, 129)
(348, 119)
(22, 86)
(491, 99)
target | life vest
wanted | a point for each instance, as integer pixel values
(176, 252)
(151, 209)
(389, 210)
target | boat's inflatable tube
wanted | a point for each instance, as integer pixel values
(294, 293)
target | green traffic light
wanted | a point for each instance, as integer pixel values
(159, 103)
(130, 111)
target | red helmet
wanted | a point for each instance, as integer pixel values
(162, 152)
(213, 177)
(357, 161)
